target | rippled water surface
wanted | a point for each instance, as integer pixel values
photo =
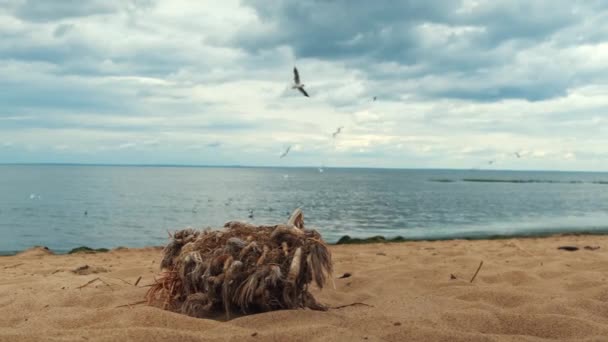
(107, 206)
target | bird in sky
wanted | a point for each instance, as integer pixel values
(286, 152)
(338, 131)
(296, 82)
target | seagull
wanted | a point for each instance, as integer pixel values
(517, 154)
(374, 98)
(338, 131)
(296, 82)
(286, 152)
(490, 162)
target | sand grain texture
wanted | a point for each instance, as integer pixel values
(527, 290)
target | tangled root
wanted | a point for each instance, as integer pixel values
(242, 268)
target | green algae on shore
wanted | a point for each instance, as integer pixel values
(85, 249)
(347, 240)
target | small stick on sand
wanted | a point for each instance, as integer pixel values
(13, 266)
(124, 281)
(130, 304)
(92, 281)
(478, 268)
(137, 281)
(353, 304)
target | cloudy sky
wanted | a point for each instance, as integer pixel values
(457, 83)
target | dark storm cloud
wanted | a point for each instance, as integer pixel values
(85, 58)
(433, 37)
(530, 93)
(50, 52)
(341, 28)
(44, 96)
(43, 10)
(62, 29)
(388, 30)
(518, 19)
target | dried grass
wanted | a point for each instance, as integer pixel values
(242, 268)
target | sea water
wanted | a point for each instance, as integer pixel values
(66, 206)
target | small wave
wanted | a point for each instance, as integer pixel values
(494, 180)
(347, 239)
(442, 180)
(524, 227)
(519, 181)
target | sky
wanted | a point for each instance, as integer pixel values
(458, 83)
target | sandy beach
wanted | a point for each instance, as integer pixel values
(526, 290)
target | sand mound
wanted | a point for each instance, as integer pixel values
(36, 251)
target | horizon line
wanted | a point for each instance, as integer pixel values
(281, 167)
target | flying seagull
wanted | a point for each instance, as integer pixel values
(517, 154)
(286, 151)
(338, 131)
(296, 82)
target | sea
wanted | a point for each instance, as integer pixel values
(67, 206)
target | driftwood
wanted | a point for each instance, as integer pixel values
(132, 304)
(352, 304)
(242, 268)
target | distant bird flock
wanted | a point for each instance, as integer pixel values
(297, 84)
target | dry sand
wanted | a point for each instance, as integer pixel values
(527, 290)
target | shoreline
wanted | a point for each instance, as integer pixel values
(344, 240)
(526, 289)
(314, 167)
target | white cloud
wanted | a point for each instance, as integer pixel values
(164, 79)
